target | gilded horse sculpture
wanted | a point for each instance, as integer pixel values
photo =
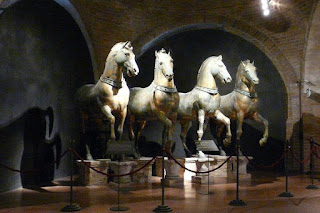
(158, 101)
(110, 95)
(203, 101)
(242, 102)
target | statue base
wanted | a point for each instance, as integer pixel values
(88, 177)
(203, 165)
(123, 183)
(145, 174)
(174, 173)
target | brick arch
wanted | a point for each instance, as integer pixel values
(248, 33)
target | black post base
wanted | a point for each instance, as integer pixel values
(286, 194)
(162, 209)
(312, 187)
(71, 208)
(237, 203)
(119, 208)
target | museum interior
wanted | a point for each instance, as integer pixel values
(160, 106)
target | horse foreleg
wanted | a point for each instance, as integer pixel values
(122, 118)
(219, 116)
(107, 112)
(183, 135)
(167, 124)
(240, 117)
(259, 118)
(201, 118)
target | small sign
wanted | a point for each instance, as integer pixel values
(207, 146)
(120, 147)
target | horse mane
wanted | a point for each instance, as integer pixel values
(205, 62)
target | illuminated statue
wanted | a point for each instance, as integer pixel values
(203, 101)
(158, 101)
(242, 102)
(110, 95)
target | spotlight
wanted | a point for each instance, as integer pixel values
(265, 7)
(266, 12)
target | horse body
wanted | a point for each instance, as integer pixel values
(243, 102)
(158, 101)
(110, 95)
(203, 100)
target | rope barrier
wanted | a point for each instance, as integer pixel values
(175, 160)
(315, 151)
(112, 175)
(303, 161)
(34, 170)
(266, 166)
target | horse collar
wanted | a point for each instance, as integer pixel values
(208, 90)
(111, 82)
(248, 94)
(166, 89)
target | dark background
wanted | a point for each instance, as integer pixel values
(43, 60)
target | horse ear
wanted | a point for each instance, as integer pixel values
(243, 64)
(156, 53)
(253, 62)
(220, 57)
(125, 44)
(169, 53)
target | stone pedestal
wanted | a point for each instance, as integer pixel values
(88, 177)
(229, 169)
(145, 174)
(203, 165)
(121, 168)
(174, 176)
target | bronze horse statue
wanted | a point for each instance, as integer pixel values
(242, 102)
(110, 95)
(158, 101)
(203, 101)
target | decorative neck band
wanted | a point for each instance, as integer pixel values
(208, 90)
(248, 94)
(111, 82)
(166, 89)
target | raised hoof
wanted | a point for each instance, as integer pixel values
(89, 157)
(227, 142)
(262, 142)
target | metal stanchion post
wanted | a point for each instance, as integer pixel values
(119, 208)
(72, 207)
(286, 193)
(312, 186)
(162, 208)
(208, 192)
(237, 201)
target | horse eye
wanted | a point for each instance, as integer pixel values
(171, 61)
(160, 63)
(127, 54)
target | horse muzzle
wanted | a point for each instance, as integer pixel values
(227, 80)
(132, 72)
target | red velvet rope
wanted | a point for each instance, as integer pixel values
(34, 170)
(303, 161)
(268, 166)
(315, 151)
(175, 160)
(112, 175)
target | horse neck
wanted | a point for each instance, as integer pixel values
(113, 71)
(243, 84)
(205, 78)
(161, 80)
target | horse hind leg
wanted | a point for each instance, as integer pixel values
(183, 135)
(122, 117)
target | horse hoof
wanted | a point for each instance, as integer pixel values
(262, 142)
(226, 142)
(89, 157)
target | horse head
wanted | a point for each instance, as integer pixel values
(124, 56)
(219, 69)
(248, 72)
(164, 63)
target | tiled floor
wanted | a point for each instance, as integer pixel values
(260, 192)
